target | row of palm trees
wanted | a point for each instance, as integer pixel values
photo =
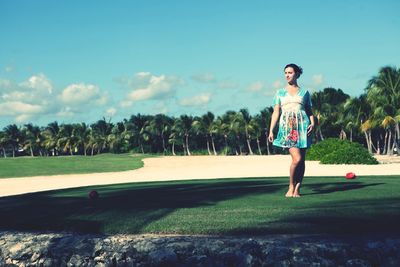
(372, 119)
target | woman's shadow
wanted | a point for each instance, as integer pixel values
(323, 188)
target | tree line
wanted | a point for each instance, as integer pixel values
(371, 119)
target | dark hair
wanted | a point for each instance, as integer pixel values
(297, 69)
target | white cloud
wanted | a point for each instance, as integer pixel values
(38, 82)
(159, 108)
(16, 108)
(65, 112)
(228, 84)
(256, 86)
(198, 100)
(125, 104)
(317, 79)
(5, 85)
(277, 84)
(147, 86)
(204, 77)
(9, 69)
(23, 118)
(111, 112)
(77, 94)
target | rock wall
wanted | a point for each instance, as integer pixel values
(68, 249)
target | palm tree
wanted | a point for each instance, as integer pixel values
(51, 134)
(13, 137)
(175, 137)
(383, 91)
(159, 126)
(81, 133)
(245, 118)
(3, 143)
(186, 124)
(33, 138)
(101, 129)
(66, 140)
(204, 125)
(139, 130)
(218, 127)
(265, 122)
(256, 127)
(366, 127)
(388, 123)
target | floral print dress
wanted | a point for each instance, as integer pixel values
(293, 122)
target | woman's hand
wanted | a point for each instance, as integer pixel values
(310, 128)
(271, 137)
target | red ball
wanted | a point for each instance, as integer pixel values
(350, 175)
(93, 194)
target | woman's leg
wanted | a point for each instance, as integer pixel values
(300, 173)
(295, 167)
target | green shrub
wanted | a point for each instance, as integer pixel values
(336, 151)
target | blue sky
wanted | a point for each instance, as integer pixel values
(77, 61)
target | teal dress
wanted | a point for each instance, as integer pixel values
(293, 122)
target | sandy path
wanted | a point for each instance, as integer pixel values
(193, 167)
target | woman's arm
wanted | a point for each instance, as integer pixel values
(312, 122)
(274, 119)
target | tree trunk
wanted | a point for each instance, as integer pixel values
(30, 148)
(173, 148)
(385, 143)
(368, 144)
(320, 134)
(184, 147)
(213, 145)
(248, 144)
(187, 144)
(351, 135)
(371, 143)
(258, 146)
(378, 147)
(389, 151)
(208, 146)
(13, 151)
(141, 147)
(240, 147)
(226, 144)
(163, 143)
(4, 153)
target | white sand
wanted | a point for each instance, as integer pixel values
(193, 167)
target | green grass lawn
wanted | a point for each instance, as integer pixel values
(368, 204)
(28, 166)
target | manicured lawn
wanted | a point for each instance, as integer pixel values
(27, 166)
(368, 204)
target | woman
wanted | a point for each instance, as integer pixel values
(295, 125)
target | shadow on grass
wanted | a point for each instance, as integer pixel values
(366, 217)
(325, 188)
(126, 207)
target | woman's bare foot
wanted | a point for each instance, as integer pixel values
(290, 192)
(296, 192)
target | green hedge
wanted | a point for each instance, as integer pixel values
(336, 151)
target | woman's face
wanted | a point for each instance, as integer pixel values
(290, 75)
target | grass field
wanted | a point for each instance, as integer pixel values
(368, 204)
(28, 166)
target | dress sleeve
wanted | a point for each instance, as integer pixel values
(277, 99)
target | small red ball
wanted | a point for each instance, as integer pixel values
(350, 175)
(93, 194)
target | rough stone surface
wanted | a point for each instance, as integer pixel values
(72, 249)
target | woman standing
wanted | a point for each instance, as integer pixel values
(293, 104)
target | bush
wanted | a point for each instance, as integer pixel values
(336, 151)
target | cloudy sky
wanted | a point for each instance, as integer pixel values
(77, 61)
